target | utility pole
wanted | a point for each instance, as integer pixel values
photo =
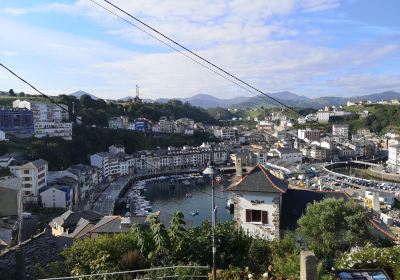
(19, 254)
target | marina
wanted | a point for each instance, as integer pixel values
(164, 195)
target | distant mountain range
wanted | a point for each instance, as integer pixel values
(286, 97)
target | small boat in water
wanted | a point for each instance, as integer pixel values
(194, 213)
(186, 182)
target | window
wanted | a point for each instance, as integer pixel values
(256, 216)
(27, 179)
(26, 171)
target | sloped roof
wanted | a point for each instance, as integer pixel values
(260, 179)
(70, 219)
(112, 224)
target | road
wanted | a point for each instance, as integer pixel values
(105, 203)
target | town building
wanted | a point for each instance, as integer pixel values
(50, 120)
(34, 177)
(225, 133)
(394, 159)
(257, 203)
(265, 207)
(120, 122)
(340, 130)
(310, 134)
(142, 124)
(16, 121)
(286, 154)
(113, 164)
(10, 188)
(62, 190)
(6, 160)
(323, 116)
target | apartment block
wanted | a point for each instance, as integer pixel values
(34, 177)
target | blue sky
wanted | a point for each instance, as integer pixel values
(310, 47)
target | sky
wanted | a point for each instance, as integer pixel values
(309, 47)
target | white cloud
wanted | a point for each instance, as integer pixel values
(257, 42)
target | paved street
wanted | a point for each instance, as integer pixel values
(105, 203)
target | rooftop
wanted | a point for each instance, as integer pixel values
(260, 179)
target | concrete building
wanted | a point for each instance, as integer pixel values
(34, 177)
(142, 124)
(225, 133)
(6, 160)
(9, 196)
(341, 130)
(287, 154)
(50, 120)
(120, 122)
(257, 200)
(310, 134)
(56, 196)
(323, 116)
(16, 121)
(112, 165)
(394, 159)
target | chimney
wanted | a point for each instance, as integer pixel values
(239, 168)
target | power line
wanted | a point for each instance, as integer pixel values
(191, 52)
(33, 87)
(176, 49)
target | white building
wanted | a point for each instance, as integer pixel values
(114, 165)
(394, 159)
(257, 202)
(56, 197)
(323, 116)
(121, 122)
(341, 130)
(34, 177)
(116, 149)
(287, 154)
(225, 133)
(49, 119)
(2, 135)
(53, 129)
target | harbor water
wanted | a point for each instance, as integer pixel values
(192, 196)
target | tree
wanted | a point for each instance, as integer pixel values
(333, 226)
(11, 92)
(21, 94)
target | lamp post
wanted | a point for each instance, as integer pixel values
(211, 171)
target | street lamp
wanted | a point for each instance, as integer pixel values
(211, 171)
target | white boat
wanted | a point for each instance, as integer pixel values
(186, 182)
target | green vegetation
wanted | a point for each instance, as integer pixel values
(382, 118)
(332, 226)
(89, 140)
(98, 111)
(177, 245)
(370, 257)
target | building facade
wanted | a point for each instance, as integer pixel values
(34, 177)
(50, 120)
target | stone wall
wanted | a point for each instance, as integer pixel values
(41, 249)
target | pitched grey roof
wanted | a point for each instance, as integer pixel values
(112, 224)
(260, 179)
(39, 162)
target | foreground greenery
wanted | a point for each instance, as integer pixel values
(329, 228)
